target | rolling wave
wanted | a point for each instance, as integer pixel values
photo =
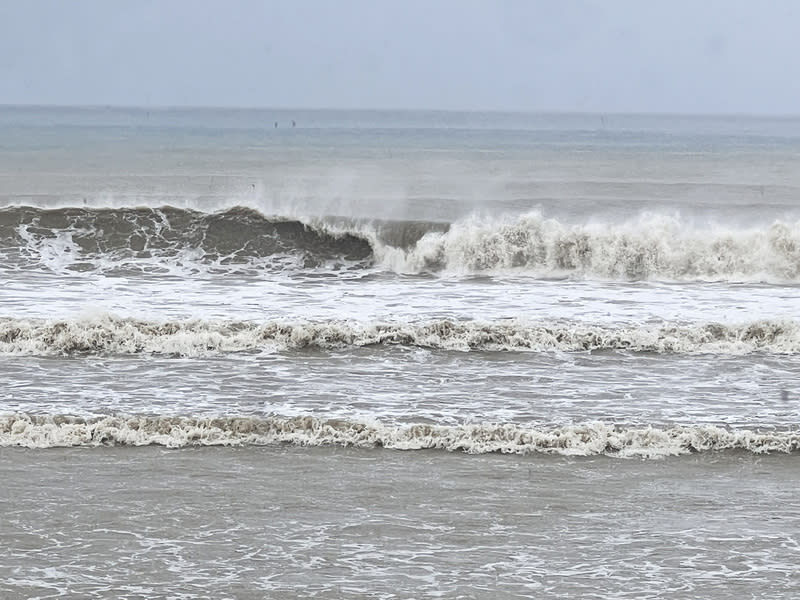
(654, 247)
(48, 431)
(107, 334)
(651, 247)
(146, 238)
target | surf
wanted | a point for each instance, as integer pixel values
(243, 240)
(106, 334)
(585, 439)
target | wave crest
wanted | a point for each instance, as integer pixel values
(242, 239)
(107, 334)
(48, 431)
(159, 238)
(653, 247)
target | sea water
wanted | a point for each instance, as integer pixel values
(373, 354)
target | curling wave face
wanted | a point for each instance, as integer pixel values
(244, 240)
(48, 431)
(148, 239)
(107, 334)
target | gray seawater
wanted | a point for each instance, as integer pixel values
(398, 354)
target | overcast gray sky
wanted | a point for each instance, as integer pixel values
(706, 56)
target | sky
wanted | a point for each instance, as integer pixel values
(663, 56)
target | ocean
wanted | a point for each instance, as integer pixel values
(398, 354)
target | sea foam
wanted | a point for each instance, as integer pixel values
(240, 239)
(107, 334)
(50, 431)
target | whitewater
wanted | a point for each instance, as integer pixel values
(243, 240)
(388, 354)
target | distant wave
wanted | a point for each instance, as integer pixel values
(107, 334)
(149, 239)
(49, 431)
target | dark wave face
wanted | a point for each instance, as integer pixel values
(120, 235)
(237, 240)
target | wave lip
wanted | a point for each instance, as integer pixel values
(242, 239)
(151, 238)
(107, 334)
(50, 431)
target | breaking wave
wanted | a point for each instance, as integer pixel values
(150, 239)
(244, 240)
(107, 334)
(653, 247)
(39, 431)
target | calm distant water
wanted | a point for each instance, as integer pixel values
(370, 354)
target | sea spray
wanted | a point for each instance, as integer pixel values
(651, 246)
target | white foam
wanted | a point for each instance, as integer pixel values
(649, 247)
(49, 431)
(106, 334)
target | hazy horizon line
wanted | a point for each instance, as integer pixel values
(507, 111)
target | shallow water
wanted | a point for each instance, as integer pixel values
(331, 523)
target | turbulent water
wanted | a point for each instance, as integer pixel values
(199, 338)
(590, 439)
(383, 355)
(244, 240)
